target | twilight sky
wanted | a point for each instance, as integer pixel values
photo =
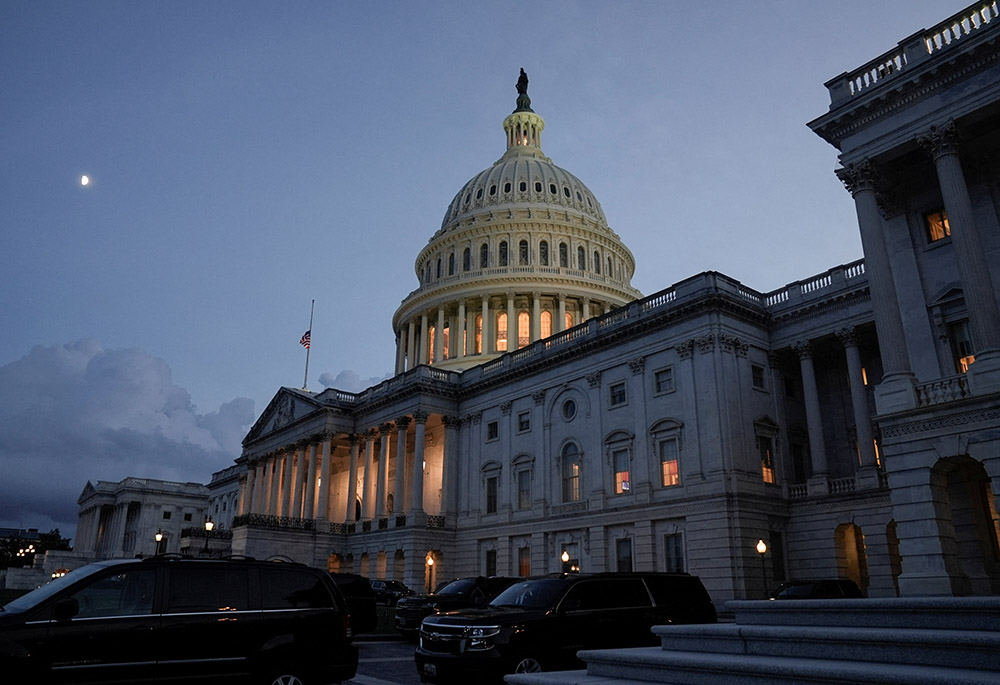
(247, 157)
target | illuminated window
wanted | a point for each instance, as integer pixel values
(569, 320)
(618, 395)
(543, 253)
(937, 225)
(669, 462)
(546, 324)
(571, 473)
(502, 332)
(524, 561)
(523, 329)
(597, 262)
(430, 344)
(503, 253)
(766, 447)
(621, 458)
(961, 345)
(446, 340)
(581, 258)
(664, 380)
(484, 256)
(563, 255)
(878, 453)
(522, 252)
(479, 333)
(864, 375)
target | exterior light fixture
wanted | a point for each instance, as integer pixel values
(159, 541)
(762, 550)
(209, 525)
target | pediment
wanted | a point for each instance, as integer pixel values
(285, 408)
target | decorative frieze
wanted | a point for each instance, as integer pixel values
(705, 343)
(538, 397)
(505, 407)
(594, 379)
(685, 349)
(637, 365)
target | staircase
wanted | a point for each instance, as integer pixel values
(904, 641)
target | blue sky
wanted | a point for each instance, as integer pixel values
(247, 157)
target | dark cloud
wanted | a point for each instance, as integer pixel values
(78, 412)
(350, 381)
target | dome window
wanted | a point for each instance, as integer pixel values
(563, 255)
(524, 187)
(467, 198)
(451, 264)
(467, 259)
(543, 252)
(503, 253)
(552, 189)
(523, 252)
(493, 189)
(506, 187)
(439, 268)
(566, 191)
(538, 186)
(588, 202)
(581, 259)
(579, 198)
(597, 262)
(479, 194)
(484, 256)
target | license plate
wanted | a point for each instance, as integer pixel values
(430, 669)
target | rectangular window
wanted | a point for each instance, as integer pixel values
(664, 380)
(673, 552)
(623, 554)
(800, 468)
(491, 562)
(668, 462)
(766, 447)
(961, 345)
(618, 396)
(491, 494)
(757, 372)
(492, 430)
(188, 517)
(166, 516)
(621, 458)
(571, 478)
(524, 422)
(524, 489)
(937, 226)
(777, 557)
(524, 562)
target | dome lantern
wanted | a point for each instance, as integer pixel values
(523, 126)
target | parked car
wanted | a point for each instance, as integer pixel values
(836, 588)
(160, 619)
(541, 623)
(461, 593)
(360, 597)
(388, 592)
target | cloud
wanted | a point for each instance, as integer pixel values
(350, 381)
(77, 412)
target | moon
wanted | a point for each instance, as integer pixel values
(84, 180)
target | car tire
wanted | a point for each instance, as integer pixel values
(286, 676)
(527, 664)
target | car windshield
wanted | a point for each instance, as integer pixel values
(797, 590)
(457, 587)
(36, 597)
(531, 594)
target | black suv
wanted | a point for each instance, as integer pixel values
(837, 588)
(458, 594)
(179, 619)
(541, 623)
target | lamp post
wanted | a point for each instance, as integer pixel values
(565, 561)
(430, 572)
(209, 525)
(762, 550)
(159, 541)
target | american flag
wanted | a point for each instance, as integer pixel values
(306, 338)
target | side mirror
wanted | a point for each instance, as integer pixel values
(66, 609)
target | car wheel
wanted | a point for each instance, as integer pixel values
(528, 665)
(285, 677)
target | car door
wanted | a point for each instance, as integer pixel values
(106, 631)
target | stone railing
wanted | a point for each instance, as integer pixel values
(913, 50)
(273, 522)
(942, 390)
(843, 276)
(435, 521)
(798, 491)
(214, 534)
(842, 486)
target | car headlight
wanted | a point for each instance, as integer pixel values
(482, 631)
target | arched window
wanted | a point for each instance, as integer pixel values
(543, 253)
(522, 251)
(546, 325)
(445, 351)
(451, 264)
(571, 473)
(502, 332)
(581, 259)
(597, 262)
(569, 320)
(563, 255)
(479, 333)
(427, 272)
(439, 267)
(610, 271)
(484, 256)
(430, 343)
(523, 329)
(467, 259)
(503, 253)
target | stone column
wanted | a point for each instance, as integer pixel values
(246, 506)
(439, 336)
(449, 471)
(814, 417)
(973, 268)
(411, 353)
(417, 496)
(325, 474)
(585, 311)
(401, 350)
(352, 479)
(424, 346)
(260, 485)
(487, 337)
(275, 482)
(298, 482)
(399, 486)
(511, 322)
(309, 510)
(385, 430)
(462, 331)
(536, 316)
(897, 390)
(859, 401)
(561, 322)
(368, 493)
(286, 486)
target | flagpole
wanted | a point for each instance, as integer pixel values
(305, 379)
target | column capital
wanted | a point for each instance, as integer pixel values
(858, 177)
(420, 416)
(803, 348)
(371, 434)
(386, 428)
(848, 337)
(941, 140)
(403, 422)
(452, 422)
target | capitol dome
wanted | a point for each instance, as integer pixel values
(524, 252)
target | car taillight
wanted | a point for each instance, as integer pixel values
(348, 632)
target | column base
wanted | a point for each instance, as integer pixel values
(984, 373)
(868, 478)
(917, 584)
(897, 392)
(818, 485)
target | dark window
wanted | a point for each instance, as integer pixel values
(522, 251)
(543, 253)
(506, 187)
(503, 253)
(552, 188)
(207, 589)
(563, 255)
(292, 589)
(492, 430)
(790, 388)
(623, 554)
(491, 562)
(484, 256)
(569, 410)
(571, 473)
(523, 187)
(538, 187)
(757, 376)
(800, 467)
(467, 259)
(664, 380)
(618, 394)
(491, 494)
(124, 594)
(439, 267)
(451, 264)
(673, 552)
(479, 194)
(166, 516)
(777, 549)
(493, 189)
(524, 421)
(188, 517)
(597, 262)
(581, 258)
(524, 489)
(937, 226)
(566, 191)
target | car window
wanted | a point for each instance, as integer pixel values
(207, 589)
(292, 589)
(36, 597)
(677, 591)
(457, 587)
(607, 593)
(124, 594)
(531, 594)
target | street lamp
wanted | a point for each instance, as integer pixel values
(430, 572)
(565, 561)
(762, 550)
(159, 540)
(209, 525)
